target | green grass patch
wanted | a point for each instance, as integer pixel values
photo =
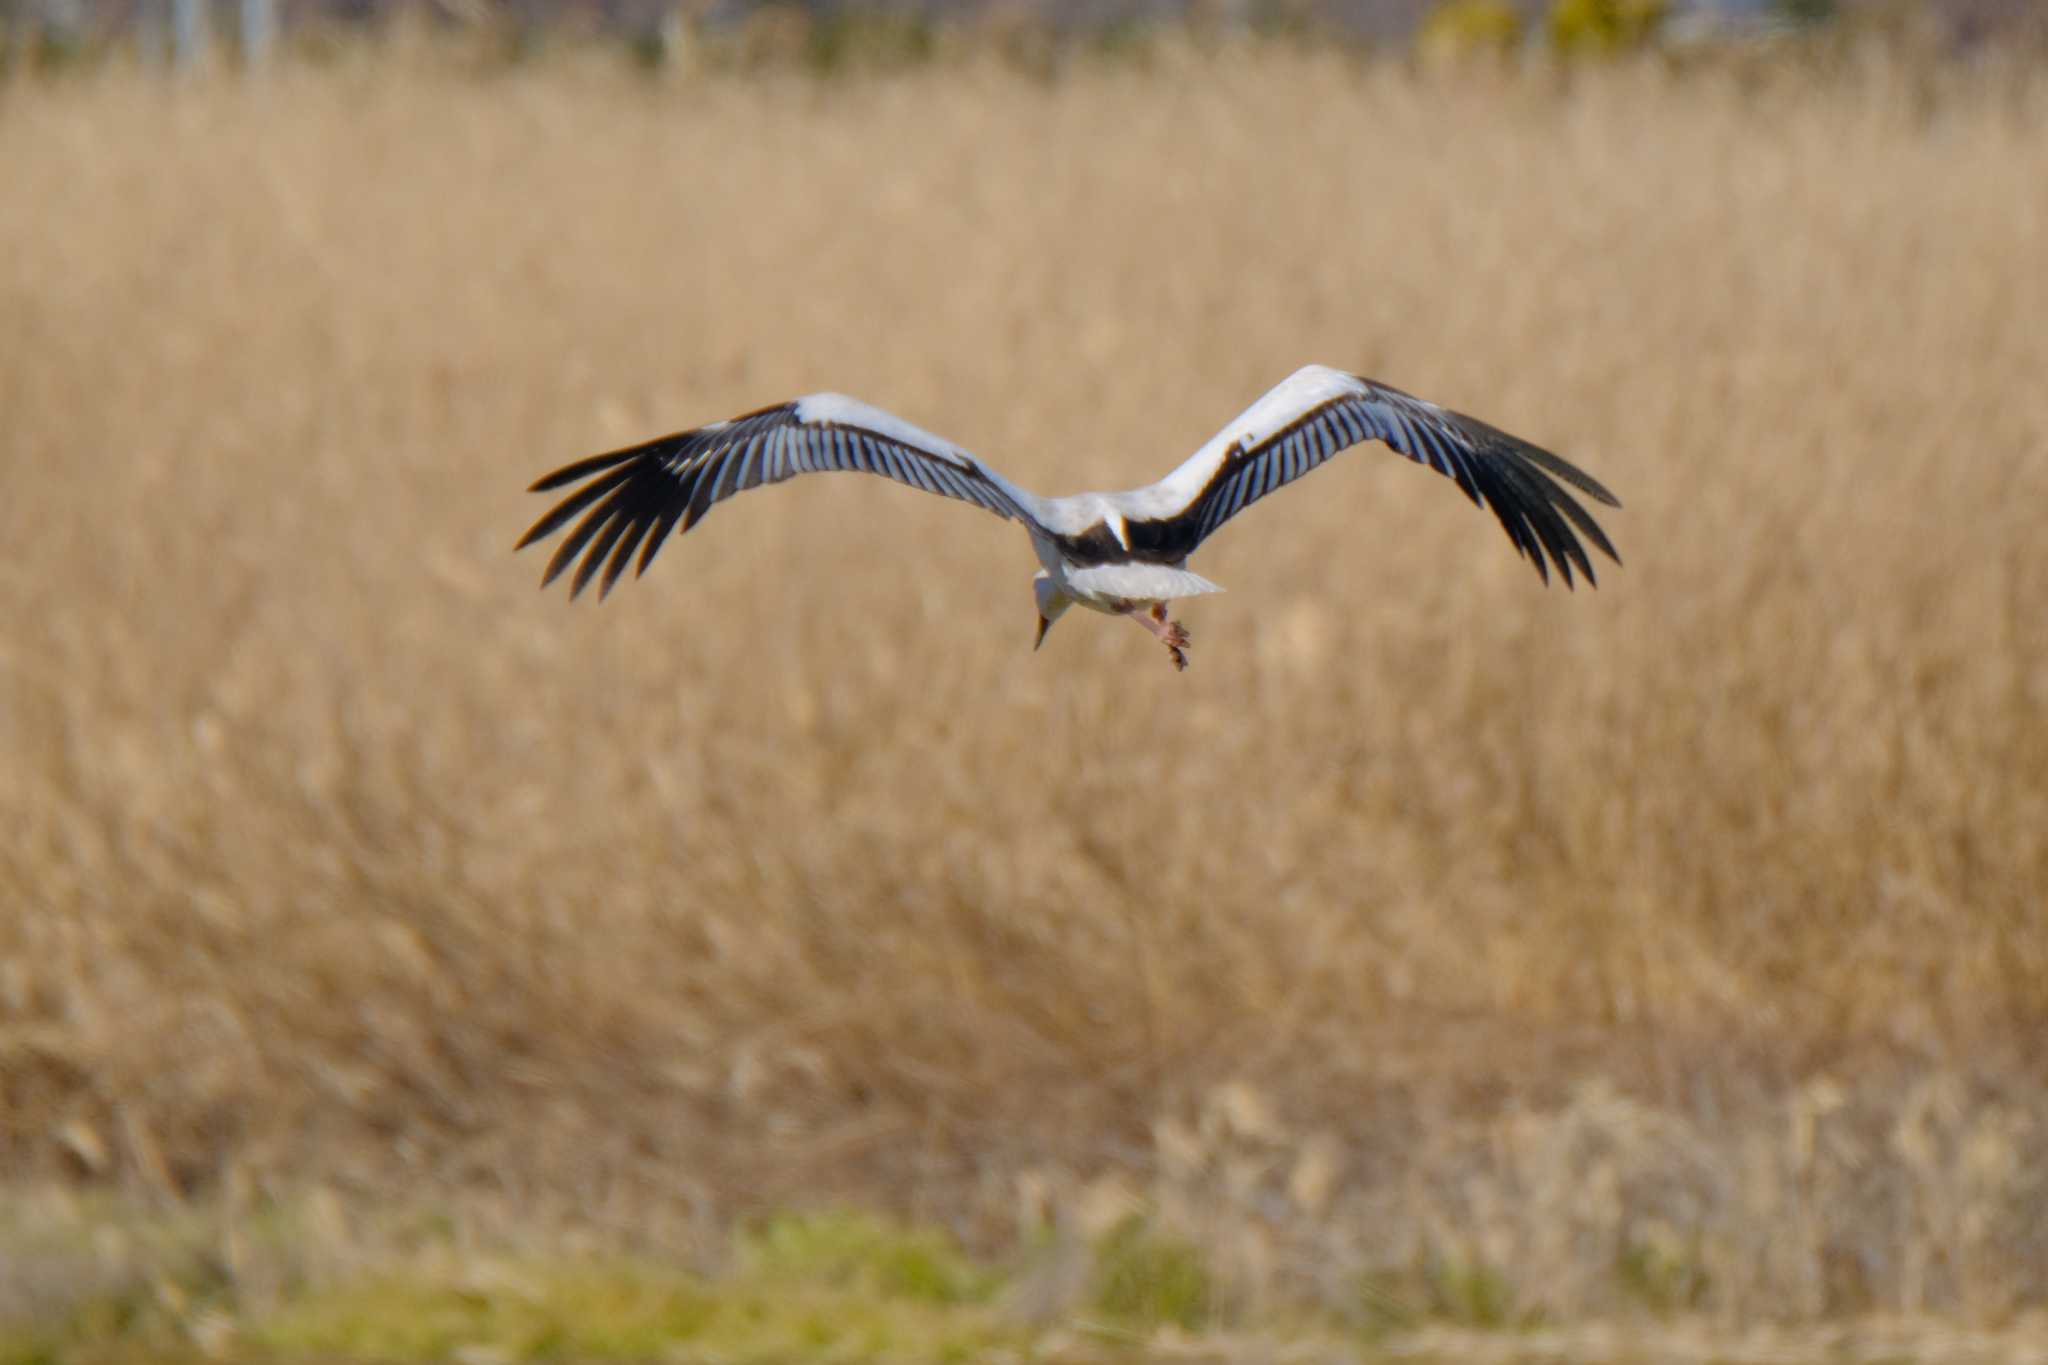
(835, 1286)
(854, 1251)
(609, 1311)
(839, 1286)
(1145, 1279)
(623, 1313)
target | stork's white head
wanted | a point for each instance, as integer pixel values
(1052, 604)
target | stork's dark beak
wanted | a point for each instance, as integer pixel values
(1043, 626)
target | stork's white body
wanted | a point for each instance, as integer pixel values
(1118, 589)
(1123, 554)
(1115, 588)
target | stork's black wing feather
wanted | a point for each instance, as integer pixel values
(633, 498)
(1317, 412)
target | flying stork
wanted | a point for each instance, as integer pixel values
(1122, 554)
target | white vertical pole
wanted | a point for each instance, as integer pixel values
(188, 32)
(259, 32)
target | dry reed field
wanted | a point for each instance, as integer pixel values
(1677, 946)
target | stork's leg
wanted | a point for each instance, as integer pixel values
(1172, 634)
(1176, 633)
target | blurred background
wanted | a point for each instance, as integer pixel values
(186, 33)
(1440, 952)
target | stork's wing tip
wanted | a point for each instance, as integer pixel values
(1597, 491)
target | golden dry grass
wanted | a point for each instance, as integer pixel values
(1683, 940)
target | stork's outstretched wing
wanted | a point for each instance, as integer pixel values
(1315, 413)
(642, 492)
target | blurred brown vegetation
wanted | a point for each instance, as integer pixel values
(1681, 943)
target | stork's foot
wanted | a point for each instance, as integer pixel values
(1175, 637)
(1172, 634)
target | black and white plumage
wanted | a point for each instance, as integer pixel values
(1123, 554)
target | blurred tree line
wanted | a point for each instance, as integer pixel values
(55, 33)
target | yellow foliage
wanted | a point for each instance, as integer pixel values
(1462, 28)
(1604, 27)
